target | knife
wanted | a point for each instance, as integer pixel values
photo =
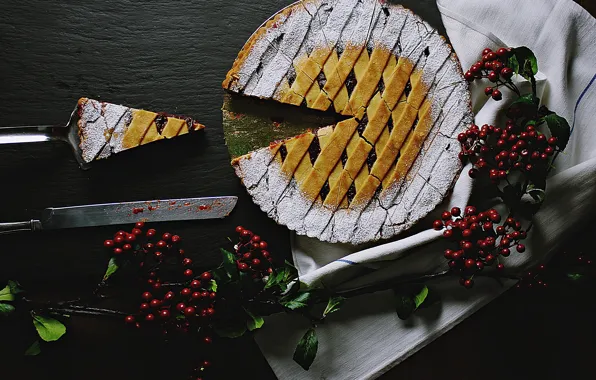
(126, 212)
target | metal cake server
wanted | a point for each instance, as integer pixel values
(43, 133)
(127, 213)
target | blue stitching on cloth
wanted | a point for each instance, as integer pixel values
(347, 261)
(581, 96)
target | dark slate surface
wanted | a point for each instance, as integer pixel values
(159, 55)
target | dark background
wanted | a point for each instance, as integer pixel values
(172, 56)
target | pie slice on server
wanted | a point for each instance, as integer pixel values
(404, 99)
(106, 128)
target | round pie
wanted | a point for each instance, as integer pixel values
(402, 98)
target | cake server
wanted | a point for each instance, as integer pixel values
(126, 213)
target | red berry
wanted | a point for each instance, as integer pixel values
(164, 314)
(469, 76)
(469, 283)
(503, 52)
(242, 266)
(470, 210)
(196, 295)
(473, 173)
(505, 252)
(180, 307)
(121, 234)
(479, 265)
(255, 239)
(149, 246)
(157, 286)
(263, 245)
(448, 254)
(486, 51)
(438, 225)
(457, 255)
(147, 296)
(136, 231)
(239, 229)
(185, 292)
(446, 215)
(207, 340)
(188, 273)
(552, 141)
(108, 243)
(145, 306)
(247, 256)
(488, 65)
(206, 276)
(151, 232)
(161, 244)
(549, 150)
(507, 73)
(127, 247)
(210, 311)
(186, 261)
(490, 258)
(455, 211)
(493, 77)
(190, 311)
(139, 225)
(158, 255)
(500, 266)
(195, 284)
(497, 95)
(256, 262)
(131, 237)
(452, 264)
(118, 251)
(487, 226)
(130, 319)
(470, 263)
(118, 240)
(169, 296)
(176, 239)
(462, 137)
(520, 248)
(246, 234)
(166, 236)
(467, 245)
(448, 233)
(529, 167)
(466, 233)
(541, 138)
(150, 317)
(155, 303)
(212, 295)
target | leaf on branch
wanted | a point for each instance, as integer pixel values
(524, 62)
(537, 195)
(15, 287)
(6, 294)
(34, 349)
(211, 286)
(525, 105)
(333, 305)
(6, 309)
(559, 128)
(409, 299)
(112, 268)
(229, 264)
(421, 296)
(574, 276)
(297, 301)
(254, 322)
(306, 350)
(281, 278)
(49, 329)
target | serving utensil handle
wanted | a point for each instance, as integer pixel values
(31, 225)
(31, 134)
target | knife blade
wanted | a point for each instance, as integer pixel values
(127, 212)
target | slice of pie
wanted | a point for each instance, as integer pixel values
(404, 99)
(106, 129)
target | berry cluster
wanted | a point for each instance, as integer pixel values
(252, 255)
(500, 152)
(493, 67)
(140, 242)
(480, 240)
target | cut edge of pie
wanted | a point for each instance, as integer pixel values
(375, 174)
(106, 129)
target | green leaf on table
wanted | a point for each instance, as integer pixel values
(49, 329)
(421, 296)
(306, 350)
(6, 309)
(537, 195)
(333, 305)
(281, 278)
(559, 128)
(230, 331)
(112, 268)
(525, 105)
(6, 294)
(296, 301)
(15, 287)
(574, 276)
(34, 349)
(523, 61)
(229, 264)
(211, 286)
(254, 322)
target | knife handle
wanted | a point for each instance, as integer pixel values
(31, 225)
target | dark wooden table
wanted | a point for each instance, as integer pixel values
(172, 56)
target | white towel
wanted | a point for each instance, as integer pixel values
(366, 338)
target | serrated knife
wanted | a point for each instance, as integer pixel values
(126, 213)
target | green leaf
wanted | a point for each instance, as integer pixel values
(297, 301)
(112, 268)
(6, 309)
(49, 329)
(306, 350)
(421, 296)
(34, 349)
(333, 305)
(537, 195)
(255, 322)
(230, 331)
(404, 305)
(574, 276)
(524, 62)
(524, 106)
(221, 276)
(211, 286)
(6, 294)
(229, 264)
(15, 287)
(559, 128)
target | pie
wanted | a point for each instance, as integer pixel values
(401, 93)
(106, 129)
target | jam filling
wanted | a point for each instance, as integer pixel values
(427, 51)
(381, 87)
(314, 150)
(325, 190)
(344, 157)
(408, 88)
(291, 76)
(390, 124)
(362, 125)
(415, 123)
(351, 193)
(283, 153)
(321, 79)
(160, 121)
(371, 159)
(351, 82)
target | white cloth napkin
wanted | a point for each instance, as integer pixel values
(366, 338)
